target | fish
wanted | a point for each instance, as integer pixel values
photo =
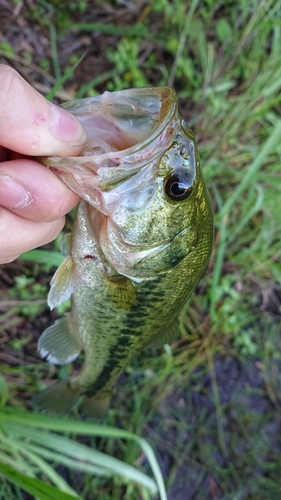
(141, 241)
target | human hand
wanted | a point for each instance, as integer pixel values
(33, 201)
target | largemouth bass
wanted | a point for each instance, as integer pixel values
(141, 241)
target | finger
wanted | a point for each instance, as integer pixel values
(31, 125)
(21, 235)
(3, 154)
(30, 190)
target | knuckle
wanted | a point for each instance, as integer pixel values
(9, 81)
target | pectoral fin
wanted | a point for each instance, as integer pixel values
(62, 283)
(121, 291)
(58, 343)
(166, 336)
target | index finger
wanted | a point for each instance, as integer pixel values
(31, 125)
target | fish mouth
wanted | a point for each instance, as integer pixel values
(120, 173)
(126, 130)
(124, 121)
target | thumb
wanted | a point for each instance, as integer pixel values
(31, 125)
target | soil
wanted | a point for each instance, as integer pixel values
(250, 429)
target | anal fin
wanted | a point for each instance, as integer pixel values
(58, 343)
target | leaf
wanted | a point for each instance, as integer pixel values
(223, 29)
(33, 486)
(4, 391)
(53, 259)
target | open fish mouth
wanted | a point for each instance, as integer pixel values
(135, 139)
(126, 130)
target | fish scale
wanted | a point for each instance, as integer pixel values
(141, 241)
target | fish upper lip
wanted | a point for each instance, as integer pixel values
(115, 156)
(118, 154)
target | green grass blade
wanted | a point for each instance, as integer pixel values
(33, 486)
(60, 424)
(67, 74)
(248, 215)
(30, 419)
(39, 463)
(96, 81)
(182, 41)
(54, 51)
(81, 452)
(220, 253)
(154, 467)
(53, 259)
(271, 143)
(61, 459)
(111, 29)
(7, 459)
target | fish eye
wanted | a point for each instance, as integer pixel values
(177, 187)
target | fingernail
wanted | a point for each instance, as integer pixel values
(13, 194)
(66, 127)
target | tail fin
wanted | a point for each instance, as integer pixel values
(58, 399)
(95, 406)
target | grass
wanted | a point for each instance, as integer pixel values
(24, 445)
(210, 404)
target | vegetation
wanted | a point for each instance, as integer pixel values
(209, 404)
